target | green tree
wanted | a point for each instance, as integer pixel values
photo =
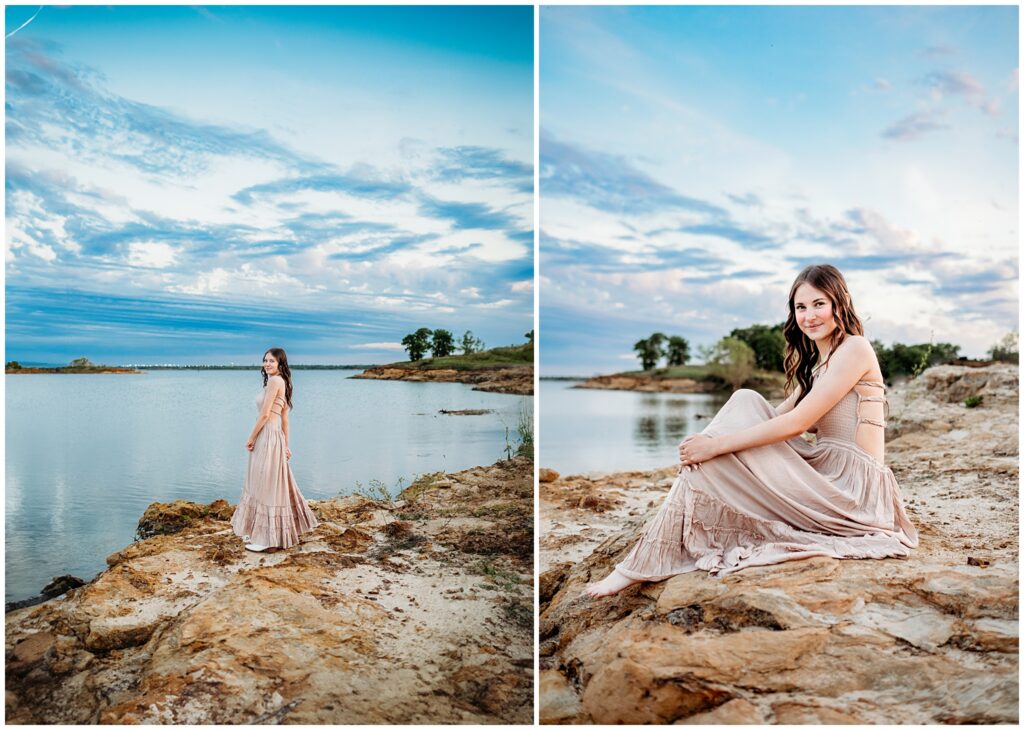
(768, 344)
(471, 344)
(442, 343)
(650, 350)
(678, 350)
(417, 343)
(529, 336)
(13, 365)
(732, 360)
(902, 359)
(1007, 349)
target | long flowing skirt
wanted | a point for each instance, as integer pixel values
(272, 511)
(783, 501)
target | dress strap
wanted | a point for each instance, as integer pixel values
(871, 421)
(873, 398)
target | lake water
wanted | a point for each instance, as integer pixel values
(585, 431)
(86, 454)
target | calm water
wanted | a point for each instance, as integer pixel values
(86, 454)
(594, 431)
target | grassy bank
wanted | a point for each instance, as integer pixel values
(761, 379)
(498, 357)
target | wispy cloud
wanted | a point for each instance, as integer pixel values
(360, 183)
(916, 125)
(482, 163)
(652, 222)
(182, 202)
(465, 216)
(607, 182)
(962, 84)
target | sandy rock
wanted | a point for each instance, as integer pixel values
(547, 475)
(558, 700)
(167, 518)
(797, 713)
(733, 712)
(515, 380)
(354, 624)
(929, 639)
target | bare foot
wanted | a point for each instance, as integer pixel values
(612, 584)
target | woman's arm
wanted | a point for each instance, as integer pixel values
(787, 405)
(274, 386)
(847, 366)
(284, 428)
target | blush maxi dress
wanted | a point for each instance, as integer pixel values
(783, 501)
(272, 511)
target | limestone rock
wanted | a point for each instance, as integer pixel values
(928, 639)
(547, 475)
(353, 625)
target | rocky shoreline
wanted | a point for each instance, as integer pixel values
(930, 639)
(513, 380)
(652, 383)
(413, 611)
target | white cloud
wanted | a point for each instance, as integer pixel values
(153, 255)
(378, 346)
(526, 285)
(496, 305)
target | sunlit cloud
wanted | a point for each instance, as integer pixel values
(883, 168)
(120, 185)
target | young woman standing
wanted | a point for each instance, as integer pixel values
(272, 511)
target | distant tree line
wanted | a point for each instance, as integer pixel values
(1007, 349)
(440, 343)
(735, 357)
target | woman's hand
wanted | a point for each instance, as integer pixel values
(287, 453)
(695, 449)
(249, 444)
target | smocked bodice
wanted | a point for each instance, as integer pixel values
(842, 421)
(275, 410)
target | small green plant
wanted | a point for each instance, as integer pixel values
(972, 401)
(524, 429)
(923, 360)
(378, 491)
(497, 577)
(521, 443)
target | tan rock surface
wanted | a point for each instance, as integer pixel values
(929, 639)
(514, 380)
(417, 611)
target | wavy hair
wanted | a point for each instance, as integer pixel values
(801, 352)
(282, 369)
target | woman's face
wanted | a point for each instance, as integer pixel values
(269, 364)
(813, 311)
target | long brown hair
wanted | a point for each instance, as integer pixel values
(801, 352)
(283, 370)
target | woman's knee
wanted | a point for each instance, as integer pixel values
(746, 394)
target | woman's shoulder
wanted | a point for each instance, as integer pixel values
(275, 380)
(856, 346)
(858, 352)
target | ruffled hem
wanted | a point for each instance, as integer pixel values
(701, 532)
(270, 525)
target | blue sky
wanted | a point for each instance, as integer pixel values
(197, 184)
(694, 159)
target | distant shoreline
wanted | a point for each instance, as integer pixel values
(65, 370)
(137, 369)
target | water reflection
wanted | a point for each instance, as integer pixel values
(593, 431)
(86, 454)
